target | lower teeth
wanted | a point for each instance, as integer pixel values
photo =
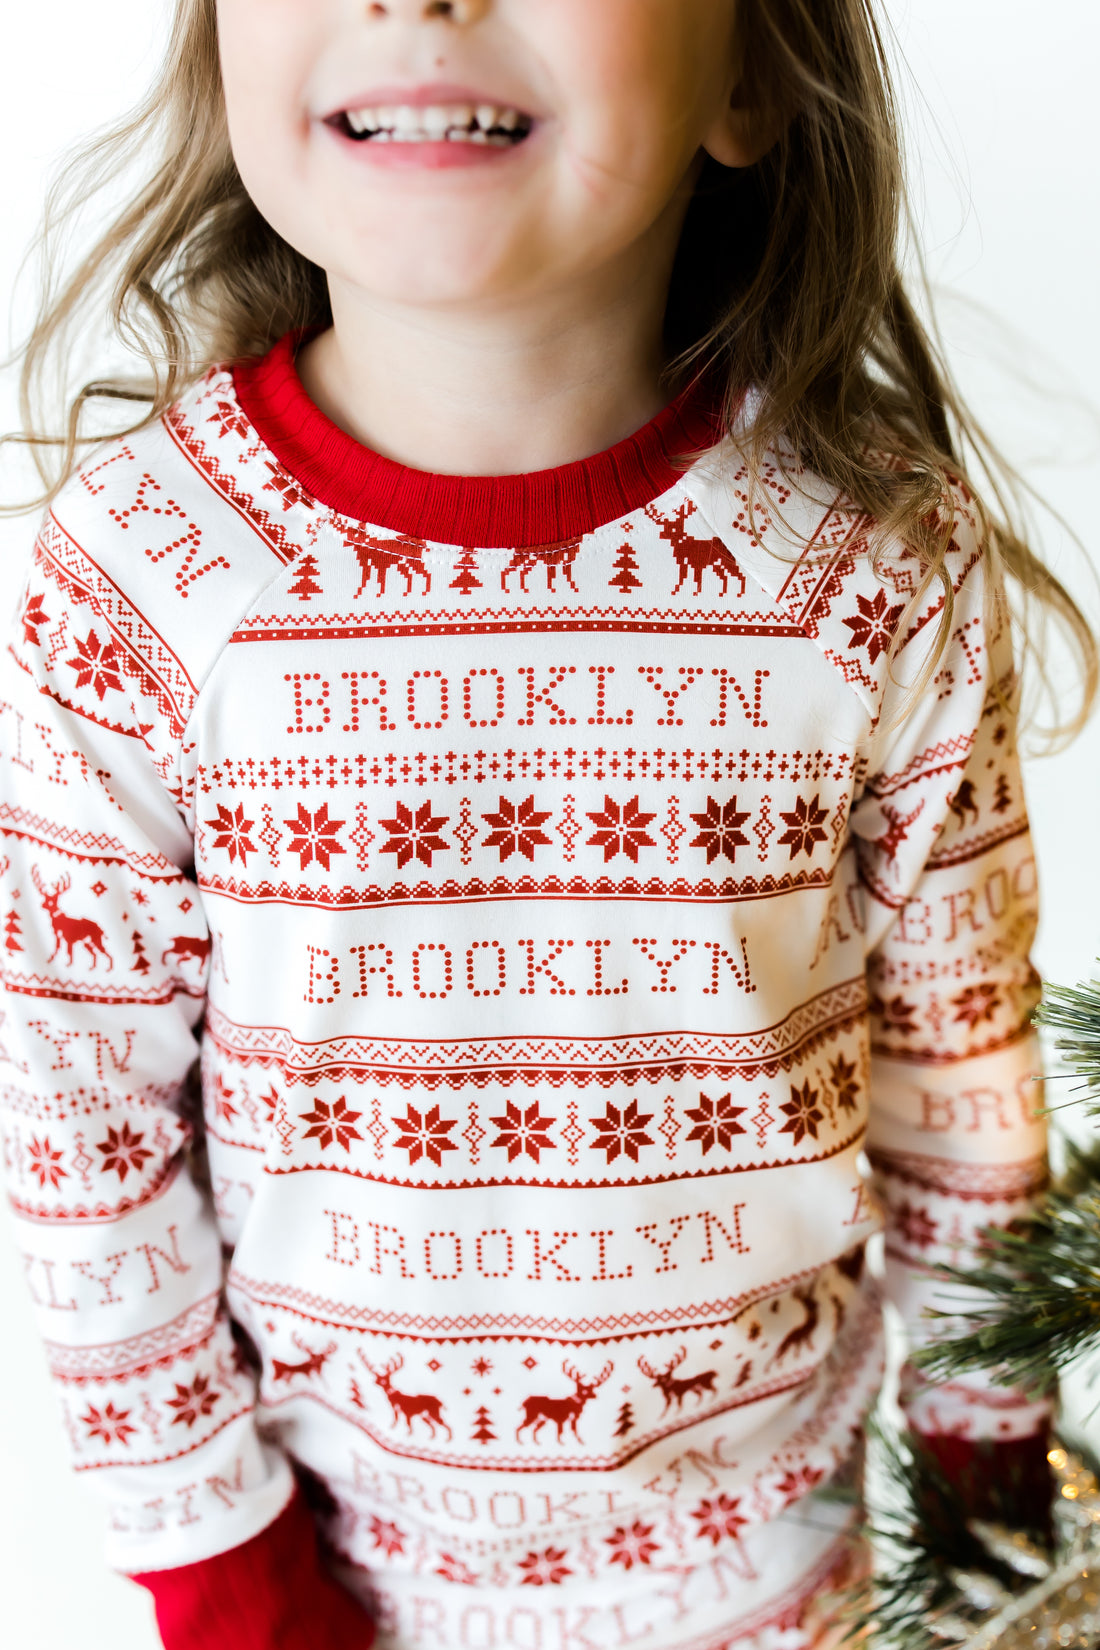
(498, 140)
(427, 137)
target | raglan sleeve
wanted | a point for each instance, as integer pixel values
(956, 1136)
(104, 952)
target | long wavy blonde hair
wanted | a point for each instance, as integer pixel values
(788, 276)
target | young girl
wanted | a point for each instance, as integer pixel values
(530, 702)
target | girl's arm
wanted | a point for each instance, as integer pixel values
(956, 1135)
(104, 957)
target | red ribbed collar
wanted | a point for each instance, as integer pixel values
(543, 507)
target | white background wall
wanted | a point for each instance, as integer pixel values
(1004, 129)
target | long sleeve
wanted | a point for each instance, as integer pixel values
(104, 956)
(956, 1135)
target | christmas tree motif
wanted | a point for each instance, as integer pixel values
(306, 586)
(12, 931)
(140, 964)
(625, 1423)
(483, 1430)
(626, 569)
(466, 578)
(1002, 799)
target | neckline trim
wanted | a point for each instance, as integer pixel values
(483, 512)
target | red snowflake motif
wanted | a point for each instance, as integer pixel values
(34, 614)
(623, 1130)
(332, 1124)
(896, 1015)
(415, 836)
(481, 1366)
(223, 1101)
(109, 1423)
(719, 830)
(232, 832)
(516, 830)
(633, 1546)
(122, 1151)
(96, 665)
(715, 1122)
(523, 1131)
(845, 1081)
(805, 827)
(545, 1569)
(622, 830)
(425, 1135)
(977, 1003)
(719, 1518)
(192, 1402)
(873, 626)
(269, 1100)
(387, 1538)
(915, 1226)
(314, 836)
(46, 1163)
(803, 1113)
(229, 419)
(794, 1485)
(453, 1569)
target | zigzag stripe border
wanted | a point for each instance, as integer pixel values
(832, 1011)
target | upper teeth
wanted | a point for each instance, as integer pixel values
(434, 121)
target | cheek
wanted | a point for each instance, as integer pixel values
(628, 162)
(641, 97)
(262, 46)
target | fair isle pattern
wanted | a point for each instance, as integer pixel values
(473, 1063)
(594, 887)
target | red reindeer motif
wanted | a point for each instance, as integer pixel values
(678, 1386)
(552, 558)
(381, 556)
(963, 803)
(69, 931)
(313, 1363)
(803, 1333)
(897, 828)
(562, 1412)
(694, 556)
(408, 1404)
(184, 946)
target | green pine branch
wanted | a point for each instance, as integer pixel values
(1074, 1011)
(923, 1542)
(1041, 1286)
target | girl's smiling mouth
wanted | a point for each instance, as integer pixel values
(484, 123)
(431, 126)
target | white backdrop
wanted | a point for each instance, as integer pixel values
(1004, 127)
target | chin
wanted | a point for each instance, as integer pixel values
(427, 274)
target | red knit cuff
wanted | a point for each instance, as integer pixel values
(271, 1593)
(1000, 1480)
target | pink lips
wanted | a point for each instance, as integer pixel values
(430, 157)
(423, 156)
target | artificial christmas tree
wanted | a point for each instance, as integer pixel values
(1032, 1307)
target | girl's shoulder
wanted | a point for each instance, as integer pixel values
(876, 606)
(174, 528)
